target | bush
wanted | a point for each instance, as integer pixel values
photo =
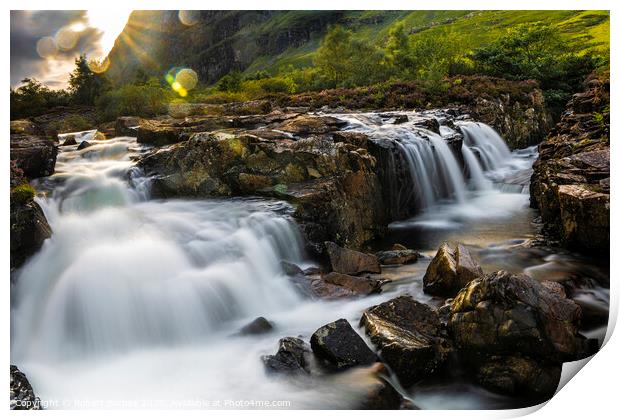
(22, 194)
(32, 98)
(140, 100)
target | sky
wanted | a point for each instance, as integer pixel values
(45, 43)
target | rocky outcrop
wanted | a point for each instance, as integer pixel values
(21, 394)
(333, 185)
(29, 229)
(515, 333)
(450, 270)
(347, 261)
(408, 336)
(340, 347)
(34, 154)
(570, 183)
(292, 357)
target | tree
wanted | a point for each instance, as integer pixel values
(398, 51)
(33, 98)
(85, 85)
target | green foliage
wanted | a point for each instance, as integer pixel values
(22, 194)
(71, 122)
(230, 83)
(537, 51)
(84, 84)
(32, 98)
(145, 100)
(344, 61)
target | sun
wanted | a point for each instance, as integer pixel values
(111, 22)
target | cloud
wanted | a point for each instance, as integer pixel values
(28, 27)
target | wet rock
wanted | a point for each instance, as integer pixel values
(34, 155)
(291, 358)
(340, 347)
(408, 335)
(359, 140)
(513, 375)
(83, 145)
(311, 271)
(400, 119)
(291, 269)
(398, 257)
(347, 261)
(381, 394)
(21, 393)
(29, 229)
(69, 140)
(158, 133)
(450, 270)
(399, 247)
(357, 285)
(506, 314)
(310, 124)
(127, 126)
(555, 287)
(259, 326)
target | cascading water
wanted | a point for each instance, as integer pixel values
(134, 303)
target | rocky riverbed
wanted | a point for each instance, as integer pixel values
(332, 259)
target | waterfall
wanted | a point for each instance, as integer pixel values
(121, 272)
(482, 139)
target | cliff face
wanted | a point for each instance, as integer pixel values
(217, 42)
(570, 183)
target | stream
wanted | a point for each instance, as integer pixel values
(135, 302)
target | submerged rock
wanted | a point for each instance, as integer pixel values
(347, 261)
(450, 270)
(291, 269)
(340, 347)
(83, 145)
(259, 326)
(408, 335)
(400, 256)
(291, 358)
(21, 393)
(69, 140)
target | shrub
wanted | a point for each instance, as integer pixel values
(22, 194)
(140, 100)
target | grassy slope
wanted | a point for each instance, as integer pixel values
(589, 28)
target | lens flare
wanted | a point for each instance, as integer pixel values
(66, 38)
(99, 66)
(189, 17)
(187, 78)
(46, 47)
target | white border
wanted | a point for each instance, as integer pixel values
(591, 395)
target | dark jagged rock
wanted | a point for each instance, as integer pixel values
(291, 358)
(34, 155)
(340, 347)
(69, 140)
(515, 333)
(450, 270)
(29, 229)
(408, 335)
(84, 145)
(358, 285)
(401, 256)
(22, 395)
(570, 183)
(259, 326)
(347, 261)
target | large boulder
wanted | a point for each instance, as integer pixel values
(340, 347)
(158, 133)
(292, 357)
(34, 155)
(502, 313)
(408, 335)
(21, 393)
(450, 270)
(347, 261)
(571, 180)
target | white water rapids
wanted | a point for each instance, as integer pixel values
(135, 303)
